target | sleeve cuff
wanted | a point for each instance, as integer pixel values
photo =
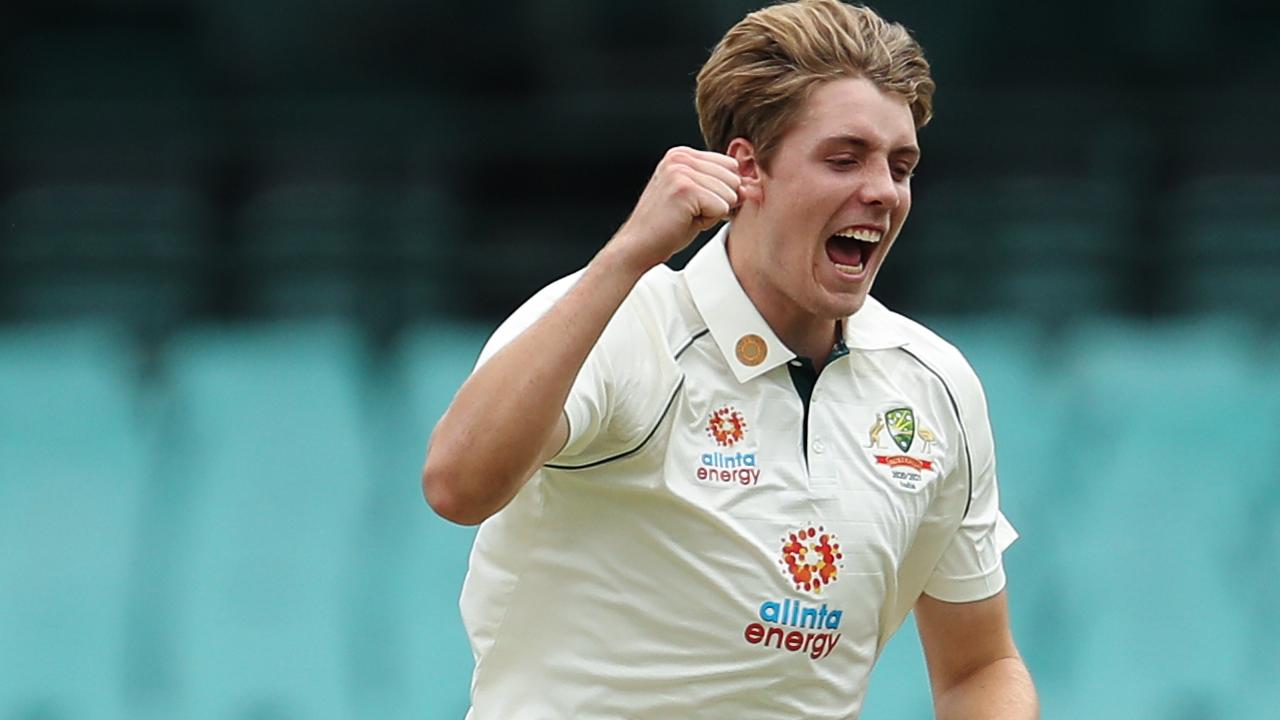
(981, 584)
(970, 589)
(575, 443)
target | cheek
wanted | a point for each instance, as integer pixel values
(904, 204)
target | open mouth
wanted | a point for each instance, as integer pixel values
(850, 249)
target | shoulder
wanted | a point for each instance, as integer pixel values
(657, 319)
(941, 358)
(663, 297)
(658, 310)
(526, 315)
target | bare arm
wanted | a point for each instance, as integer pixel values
(508, 417)
(974, 666)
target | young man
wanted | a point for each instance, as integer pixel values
(717, 493)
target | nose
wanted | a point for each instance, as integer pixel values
(878, 186)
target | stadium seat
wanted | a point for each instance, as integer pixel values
(304, 246)
(426, 255)
(1047, 246)
(129, 254)
(414, 658)
(341, 250)
(266, 443)
(73, 476)
(1228, 229)
(1166, 449)
(548, 244)
(1258, 533)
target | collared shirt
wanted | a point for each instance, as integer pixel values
(712, 544)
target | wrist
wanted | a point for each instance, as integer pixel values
(619, 259)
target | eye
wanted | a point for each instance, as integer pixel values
(903, 172)
(842, 162)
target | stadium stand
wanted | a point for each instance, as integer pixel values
(247, 254)
(132, 254)
(411, 657)
(1150, 585)
(267, 442)
(1228, 229)
(73, 475)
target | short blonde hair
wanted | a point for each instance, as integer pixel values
(764, 68)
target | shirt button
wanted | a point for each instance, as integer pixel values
(818, 446)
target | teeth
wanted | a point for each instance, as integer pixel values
(849, 269)
(863, 234)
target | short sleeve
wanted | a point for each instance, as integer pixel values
(971, 566)
(610, 400)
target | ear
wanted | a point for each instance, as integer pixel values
(749, 169)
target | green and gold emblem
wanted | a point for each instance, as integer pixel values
(902, 426)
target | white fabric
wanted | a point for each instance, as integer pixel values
(643, 572)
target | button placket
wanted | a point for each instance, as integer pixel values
(822, 466)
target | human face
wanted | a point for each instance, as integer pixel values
(844, 168)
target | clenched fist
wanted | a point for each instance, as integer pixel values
(690, 191)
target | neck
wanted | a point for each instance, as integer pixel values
(802, 332)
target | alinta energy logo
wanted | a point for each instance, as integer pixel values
(727, 427)
(811, 559)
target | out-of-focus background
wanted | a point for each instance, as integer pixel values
(248, 250)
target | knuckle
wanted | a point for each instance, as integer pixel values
(682, 180)
(675, 172)
(677, 154)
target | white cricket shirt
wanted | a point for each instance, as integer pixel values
(705, 546)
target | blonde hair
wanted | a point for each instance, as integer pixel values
(764, 68)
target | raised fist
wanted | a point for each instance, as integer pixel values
(690, 191)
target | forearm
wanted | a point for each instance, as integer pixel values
(506, 419)
(499, 425)
(1002, 690)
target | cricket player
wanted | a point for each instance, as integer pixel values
(716, 493)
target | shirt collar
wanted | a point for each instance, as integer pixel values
(748, 344)
(873, 328)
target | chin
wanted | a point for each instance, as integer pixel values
(840, 306)
(853, 305)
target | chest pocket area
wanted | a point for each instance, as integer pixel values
(874, 463)
(727, 454)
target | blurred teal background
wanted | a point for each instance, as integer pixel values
(248, 251)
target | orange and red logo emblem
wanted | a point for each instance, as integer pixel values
(811, 557)
(726, 426)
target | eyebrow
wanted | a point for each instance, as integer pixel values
(910, 151)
